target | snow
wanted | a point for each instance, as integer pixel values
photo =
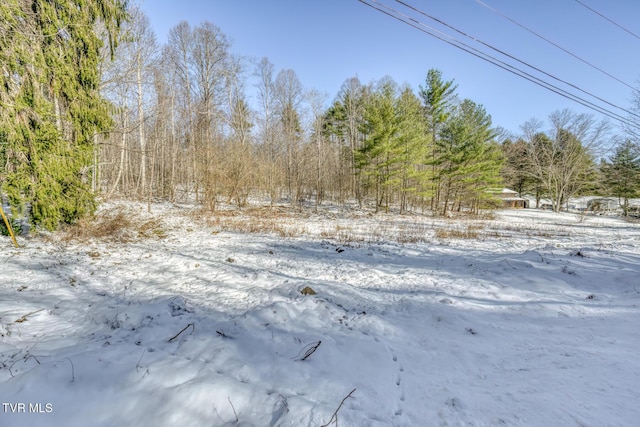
(534, 322)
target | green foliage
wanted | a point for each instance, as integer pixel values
(413, 147)
(622, 173)
(469, 160)
(377, 159)
(413, 150)
(335, 121)
(50, 59)
(393, 155)
(16, 227)
(515, 171)
(438, 98)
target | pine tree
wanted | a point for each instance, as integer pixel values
(49, 90)
(468, 157)
(377, 159)
(438, 97)
(622, 174)
(413, 148)
(515, 171)
(394, 154)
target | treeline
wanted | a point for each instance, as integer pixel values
(93, 106)
(184, 127)
(577, 156)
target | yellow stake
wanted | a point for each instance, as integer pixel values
(6, 222)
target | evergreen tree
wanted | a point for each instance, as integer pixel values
(622, 174)
(52, 109)
(378, 159)
(395, 150)
(468, 158)
(515, 171)
(438, 97)
(413, 148)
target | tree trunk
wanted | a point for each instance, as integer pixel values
(141, 133)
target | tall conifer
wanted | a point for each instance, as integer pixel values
(52, 109)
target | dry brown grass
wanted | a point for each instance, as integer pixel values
(152, 228)
(397, 230)
(267, 220)
(124, 224)
(414, 235)
(458, 233)
(105, 226)
(113, 225)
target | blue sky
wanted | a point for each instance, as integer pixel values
(328, 41)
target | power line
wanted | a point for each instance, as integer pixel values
(496, 11)
(420, 26)
(515, 58)
(608, 19)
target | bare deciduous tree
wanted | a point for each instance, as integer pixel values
(239, 165)
(562, 158)
(268, 144)
(126, 82)
(289, 97)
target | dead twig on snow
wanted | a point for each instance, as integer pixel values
(223, 335)
(24, 318)
(334, 417)
(234, 409)
(310, 349)
(138, 366)
(193, 328)
(73, 371)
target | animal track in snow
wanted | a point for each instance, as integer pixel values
(398, 381)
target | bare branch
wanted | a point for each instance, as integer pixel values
(193, 328)
(311, 348)
(334, 417)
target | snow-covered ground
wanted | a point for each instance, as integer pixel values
(531, 320)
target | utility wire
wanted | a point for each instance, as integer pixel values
(496, 11)
(494, 61)
(514, 58)
(608, 19)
